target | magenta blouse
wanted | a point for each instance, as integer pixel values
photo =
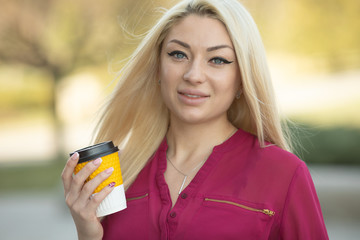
(241, 192)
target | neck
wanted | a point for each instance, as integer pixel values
(190, 143)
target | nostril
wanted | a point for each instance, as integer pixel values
(195, 74)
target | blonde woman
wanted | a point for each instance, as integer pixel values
(206, 156)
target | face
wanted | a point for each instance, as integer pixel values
(198, 70)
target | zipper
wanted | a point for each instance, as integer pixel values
(136, 198)
(264, 211)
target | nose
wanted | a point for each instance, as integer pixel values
(195, 73)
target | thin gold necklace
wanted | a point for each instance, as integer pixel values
(192, 170)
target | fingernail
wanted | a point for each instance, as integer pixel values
(74, 156)
(97, 161)
(109, 170)
(112, 184)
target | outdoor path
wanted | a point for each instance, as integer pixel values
(43, 216)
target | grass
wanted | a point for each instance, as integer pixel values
(43, 176)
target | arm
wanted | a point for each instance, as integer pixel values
(77, 197)
(302, 217)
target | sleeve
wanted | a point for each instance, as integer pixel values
(302, 217)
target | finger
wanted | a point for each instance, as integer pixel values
(100, 196)
(68, 170)
(78, 180)
(90, 186)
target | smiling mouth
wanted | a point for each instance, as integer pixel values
(193, 95)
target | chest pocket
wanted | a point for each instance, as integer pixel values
(228, 218)
(245, 207)
(137, 197)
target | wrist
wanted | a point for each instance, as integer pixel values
(90, 235)
(82, 237)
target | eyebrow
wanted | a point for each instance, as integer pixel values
(209, 49)
(185, 45)
(218, 47)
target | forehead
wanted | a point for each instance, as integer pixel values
(199, 30)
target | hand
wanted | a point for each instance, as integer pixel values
(79, 199)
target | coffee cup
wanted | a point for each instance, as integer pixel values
(108, 153)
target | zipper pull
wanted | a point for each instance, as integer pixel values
(268, 212)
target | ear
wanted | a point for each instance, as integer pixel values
(238, 94)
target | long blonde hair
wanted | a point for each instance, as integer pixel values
(136, 112)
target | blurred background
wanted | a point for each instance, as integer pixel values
(58, 60)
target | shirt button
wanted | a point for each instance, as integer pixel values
(173, 214)
(184, 195)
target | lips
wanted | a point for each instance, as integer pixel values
(192, 97)
(193, 94)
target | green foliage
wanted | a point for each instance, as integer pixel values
(326, 30)
(63, 35)
(23, 88)
(30, 177)
(338, 145)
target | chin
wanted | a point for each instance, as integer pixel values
(196, 119)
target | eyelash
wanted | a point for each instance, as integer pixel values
(224, 61)
(175, 53)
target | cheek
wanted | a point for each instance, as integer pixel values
(162, 70)
(165, 73)
(235, 81)
(228, 83)
(166, 82)
(170, 72)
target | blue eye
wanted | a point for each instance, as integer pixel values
(219, 61)
(177, 54)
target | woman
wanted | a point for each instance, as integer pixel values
(206, 157)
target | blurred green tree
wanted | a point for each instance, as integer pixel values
(60, 36)
(325, 30)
